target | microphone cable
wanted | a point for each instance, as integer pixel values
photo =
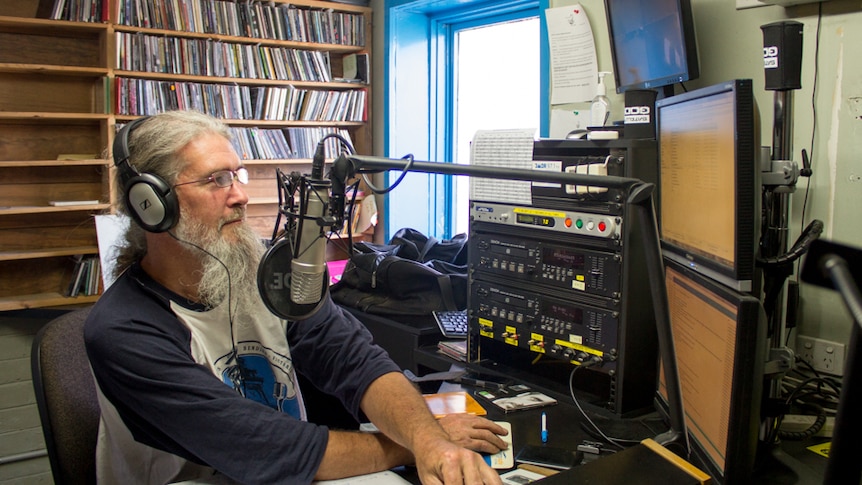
(236, 376)
(347, 247)
(386, 190)
(282, 186)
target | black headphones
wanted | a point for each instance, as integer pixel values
(150, 200)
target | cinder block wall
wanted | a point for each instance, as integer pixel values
(22, 446)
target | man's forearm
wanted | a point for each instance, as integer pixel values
(400, 412)
(353, 453)
(398, 409)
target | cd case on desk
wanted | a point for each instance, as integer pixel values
(456, 402)
(526, 400)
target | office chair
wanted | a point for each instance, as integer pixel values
(66, 398)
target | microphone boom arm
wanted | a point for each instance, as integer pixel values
(347, 167)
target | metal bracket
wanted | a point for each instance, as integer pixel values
(780, 361)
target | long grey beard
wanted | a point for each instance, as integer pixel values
(231, 267)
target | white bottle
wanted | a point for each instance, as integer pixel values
(600, 107)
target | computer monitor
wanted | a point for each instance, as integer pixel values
(720, 340)
(709, 182)
(653, 43)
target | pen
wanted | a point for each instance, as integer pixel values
(544, 427)
(482, 384)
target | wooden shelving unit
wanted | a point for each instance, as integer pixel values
(59, 95)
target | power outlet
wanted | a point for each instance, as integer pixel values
(823, 355)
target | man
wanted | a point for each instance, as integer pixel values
(196, 377)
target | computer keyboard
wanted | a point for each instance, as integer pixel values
(453, 324)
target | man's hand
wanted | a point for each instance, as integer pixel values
(474, 432)
(440, 461)
(440, 454)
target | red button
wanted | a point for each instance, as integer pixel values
(602, 226)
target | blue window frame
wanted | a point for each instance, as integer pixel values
(418, 115)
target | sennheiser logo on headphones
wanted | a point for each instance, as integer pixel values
(637, 115)
(145, 204)
(770, 57)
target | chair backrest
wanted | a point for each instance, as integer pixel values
(66, 397)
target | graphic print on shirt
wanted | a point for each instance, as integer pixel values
(264, 376)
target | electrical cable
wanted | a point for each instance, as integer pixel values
(799, 248)
(236, 376)
(280, 179)
(344, 141)
(798, 396)
(812, 139)
(346, 247)
(618, 442)
(780, 267)
(833, 383)
(816, 426)
(377, 190)
(813, 103)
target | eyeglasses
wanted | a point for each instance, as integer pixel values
(223, 178)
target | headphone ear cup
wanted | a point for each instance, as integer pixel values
(150, 200)
(152, 203)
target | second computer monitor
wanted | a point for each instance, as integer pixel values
(709, 181)
(720, 342)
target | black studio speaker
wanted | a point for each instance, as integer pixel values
(782, 55)
(640, 113)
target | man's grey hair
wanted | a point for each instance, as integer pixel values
(154, 148)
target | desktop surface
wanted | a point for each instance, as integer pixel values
(792, 463)
(563, 424)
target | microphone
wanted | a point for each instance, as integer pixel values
(309, 265)
(297, 261)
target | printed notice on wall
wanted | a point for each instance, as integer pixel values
(504, 149)
(574, 68)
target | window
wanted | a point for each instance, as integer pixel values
(496, 85)
(452, 68)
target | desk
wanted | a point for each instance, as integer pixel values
(779, 466)
(564, 428)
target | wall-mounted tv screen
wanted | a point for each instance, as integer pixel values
(653, 43)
